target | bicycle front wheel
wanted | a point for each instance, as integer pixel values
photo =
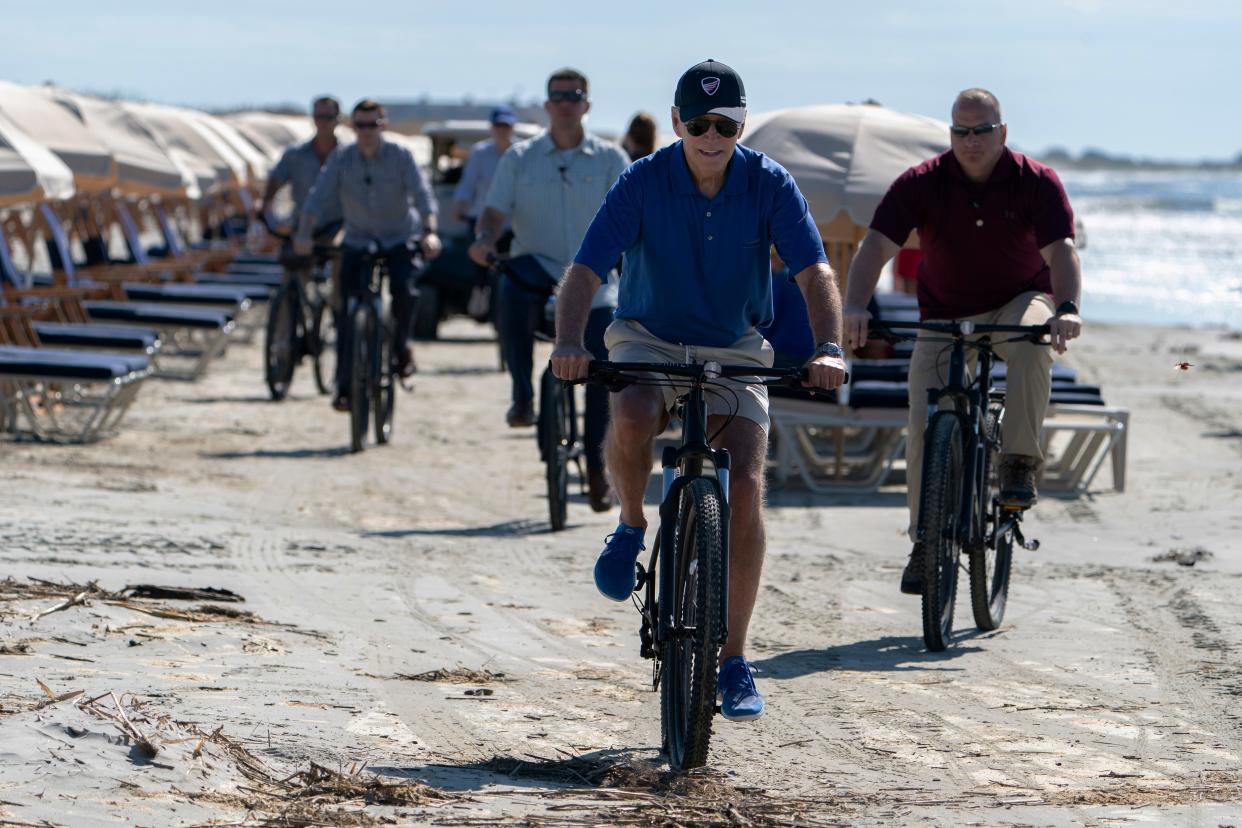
(360, 377)
(692, 605)
(280, 339)
(555, 421)
(385, 383)
(990, 562)
(323, 345)
(939, 508)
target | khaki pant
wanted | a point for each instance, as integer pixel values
(1026, 400)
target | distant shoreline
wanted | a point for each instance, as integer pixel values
(1095, 161)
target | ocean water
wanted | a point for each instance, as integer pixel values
(1162, 247)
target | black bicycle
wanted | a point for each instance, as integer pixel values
(959, 506)
(684, 608)
(558, 426)
(374, 376)
(300, 316)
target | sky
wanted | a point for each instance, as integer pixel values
(1132, 77)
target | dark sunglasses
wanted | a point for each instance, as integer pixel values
(982, 129)
(320, 116)
(575, 96)
(367, 124)
(700, 126)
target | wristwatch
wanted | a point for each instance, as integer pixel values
(1067, 306)
(830, 349)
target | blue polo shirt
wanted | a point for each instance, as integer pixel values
(697, 270)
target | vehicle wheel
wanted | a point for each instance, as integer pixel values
(385, 384)
(360, 378)
(280, 342)
(938, 525)
(555, 411)
(692, 598)
(323, 343)
(427, 314)
(990, 564)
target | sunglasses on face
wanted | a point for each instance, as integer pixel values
(982, 129)
(324, 116)
(366, 124)
(573, 96)
(700, 126)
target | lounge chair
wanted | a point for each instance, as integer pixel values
(59, 395)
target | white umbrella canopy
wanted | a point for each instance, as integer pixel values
(271, 132)
(142, 166)
(28, 171)
(202, 168)
(257, 162)
(57, 129)
(845, 156)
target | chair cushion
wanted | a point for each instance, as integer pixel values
(78, 365)
(146, 314)
(95, 335)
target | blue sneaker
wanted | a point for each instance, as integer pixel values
(735, 687)
(615, 573)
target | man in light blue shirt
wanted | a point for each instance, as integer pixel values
(695, 222)
(476, 175)
(386, 203)
(548, 188)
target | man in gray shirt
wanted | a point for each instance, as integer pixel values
(300, 164)
(548, 189)
(386, 203)
(470, 195)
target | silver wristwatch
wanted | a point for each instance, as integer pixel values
(830, 349)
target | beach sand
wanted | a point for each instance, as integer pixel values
(406, 611)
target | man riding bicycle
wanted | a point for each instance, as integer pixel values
(695, 222)
(299, 166)
(997, 235)
(548, 188)
(387, 204)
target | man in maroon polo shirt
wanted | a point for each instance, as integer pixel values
(997, 235)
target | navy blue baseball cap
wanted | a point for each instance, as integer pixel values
(503, 114)
(710, 88)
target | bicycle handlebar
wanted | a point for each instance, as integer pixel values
(955, 328)
(620, 374)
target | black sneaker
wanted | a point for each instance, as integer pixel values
(521, 414)
(912, 575)
(1016, 475)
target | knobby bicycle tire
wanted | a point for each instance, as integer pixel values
(694, 597)
(384, 382)
(323, 345)
(280, 340)
(939, 508)
(555, 413)
(360, 377)
(990, 563)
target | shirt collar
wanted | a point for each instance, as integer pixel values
(587, 147)
(1001, 173)
(683, 182)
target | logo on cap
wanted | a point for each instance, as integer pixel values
(710, 85)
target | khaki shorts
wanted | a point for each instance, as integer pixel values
(628, 341)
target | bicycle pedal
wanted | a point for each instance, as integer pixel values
(643, 575)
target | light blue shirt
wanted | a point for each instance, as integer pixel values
(476, 176)
(382, 198)
(550, 197)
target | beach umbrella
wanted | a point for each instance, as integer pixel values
(845, 156)
(257, 162)
(202, 169)
(142, 165)
(58, 130)
(271, 132)
(29, 172)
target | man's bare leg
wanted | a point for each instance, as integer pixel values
(636, 417)
(747, 444)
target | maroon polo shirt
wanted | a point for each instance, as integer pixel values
(980, 242)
